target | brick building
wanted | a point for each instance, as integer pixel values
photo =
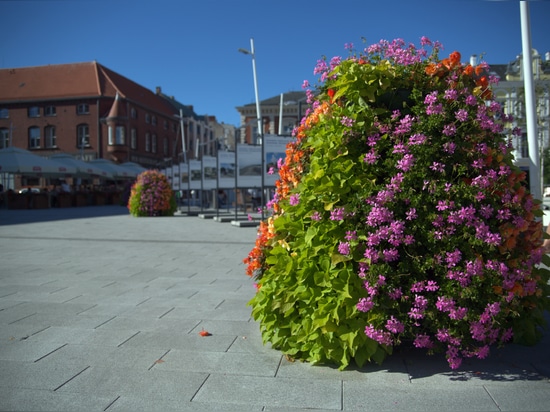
(91, 112)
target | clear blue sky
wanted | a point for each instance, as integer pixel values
(189, 48)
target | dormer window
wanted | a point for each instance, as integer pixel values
(83, 108)
(49, 111)
(33, 111)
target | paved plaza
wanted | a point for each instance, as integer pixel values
(101, 311)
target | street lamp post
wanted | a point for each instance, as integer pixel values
(259, 120)
(530, 102)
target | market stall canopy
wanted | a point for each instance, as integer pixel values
(116, 171)
(138, 169)
(19, 161)
(83, 169)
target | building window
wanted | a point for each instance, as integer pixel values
(147, 118)
(154, 120)
(49, 111)
(34, 137)
(4, 138)
(154, 143)
(165, 146)
(33, 111)
(49, 137)
(82, 136)
(4, 113)
(83, 108)
(133, 113)
(120, 136)
(147, 142)
(133, 139)
(166, 125)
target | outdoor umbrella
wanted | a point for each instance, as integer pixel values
(83, 169)
(116, 171)
(19, 161)
(137, 169)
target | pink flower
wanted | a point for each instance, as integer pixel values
(344, 248)
(294, 199)
(394, 326)
(422, 341)
(406, 163)
(365, 304)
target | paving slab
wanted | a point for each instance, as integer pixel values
(102, 311)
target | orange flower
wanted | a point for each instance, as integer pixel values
(447, 63)
(479, 70)
(483, 81)
(454, 57)
(330, 93)
(431, 69)
(468, 70)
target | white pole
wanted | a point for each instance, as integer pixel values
(281, 115)
(258, 118)
(260, 126)
(258, 111)
(530, 103)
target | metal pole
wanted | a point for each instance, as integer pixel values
(530, 103)
(260, 126)
(258, 118)
(183, 145)
(281, 116)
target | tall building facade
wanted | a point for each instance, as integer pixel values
(510, 92)
(280, 114)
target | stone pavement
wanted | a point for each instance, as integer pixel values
(100, 311)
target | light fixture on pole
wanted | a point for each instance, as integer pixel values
(259, 119)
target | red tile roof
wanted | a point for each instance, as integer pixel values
(74, 80)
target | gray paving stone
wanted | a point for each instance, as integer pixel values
(365, 396)
(281, 392)
(392, 372)
(26, 400)
(520, 396)
(126, 403)
(104, 356)
(27, 350)
(231, 363)
(177, 386)
(168, 340)
(31, 375)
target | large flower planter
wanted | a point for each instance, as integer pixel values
(400, 216)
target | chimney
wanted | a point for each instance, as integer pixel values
(473, 60)
(159, 90)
